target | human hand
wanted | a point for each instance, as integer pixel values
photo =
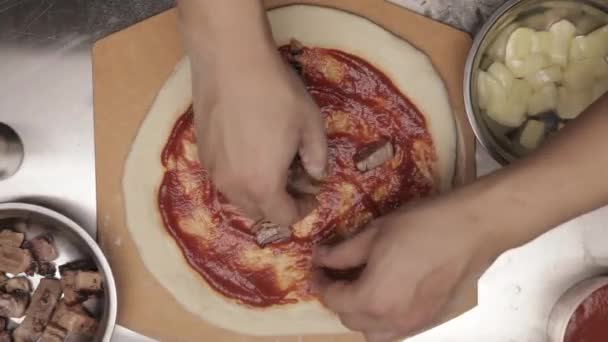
(422, 264)
(252, 119)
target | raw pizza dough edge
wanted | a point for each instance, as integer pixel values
(159, 251)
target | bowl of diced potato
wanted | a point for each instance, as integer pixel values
(534, 67)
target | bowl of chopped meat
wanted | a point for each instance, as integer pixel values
(55, 283)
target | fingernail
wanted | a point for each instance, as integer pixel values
(318, 172)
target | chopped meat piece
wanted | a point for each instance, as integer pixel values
(87, 281)
(11, 238)
(42, 248)
(14, 260)
(13, 304)
(5, 336)
(79, 285)
(39, 313)
(78, 265)
(47, 269)
(53, 333)
(74, 319)
(3, 323)
(31, 271)
(17, 284)
(267, 232)
(73, 297)
(374, 155)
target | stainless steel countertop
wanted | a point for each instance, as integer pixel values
(46, 96)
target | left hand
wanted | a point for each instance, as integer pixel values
(421, 268)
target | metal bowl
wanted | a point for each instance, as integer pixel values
(566, 306)
(535, 14)
(11, 152)
(72, 243)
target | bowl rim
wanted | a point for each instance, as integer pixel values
(566, 306)
(111, 290)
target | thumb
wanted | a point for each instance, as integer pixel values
(348, 254)
(313, 145)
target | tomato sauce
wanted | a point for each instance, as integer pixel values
(590, 320)
(360, 105)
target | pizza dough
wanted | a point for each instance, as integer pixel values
(143, 169)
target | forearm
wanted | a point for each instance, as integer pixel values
(562, 180)
(225, 34)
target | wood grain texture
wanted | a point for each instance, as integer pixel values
(130, 67)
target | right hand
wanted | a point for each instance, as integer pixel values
(420, 268)
(252, 117)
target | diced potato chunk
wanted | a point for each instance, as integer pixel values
(483, 89)
(519, 45)
(572, 103)
(501, 73)
(509, 108)
(496, 105)
(541, 42)
(533, 134)
(552, 74)
(528, 65)
(520, 92)
(585, 47)
(581, 74)
(543, 100)
(562, 34)
(497, 50)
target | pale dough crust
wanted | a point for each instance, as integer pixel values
(313, 26)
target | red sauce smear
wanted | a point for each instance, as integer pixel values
(590, 320)
(370, 107)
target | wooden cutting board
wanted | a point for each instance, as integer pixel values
(130, 67)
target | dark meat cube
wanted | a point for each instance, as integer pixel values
(267, 232)
(53, 333)
(79, 285)
(14, 260)
(17, 284)
(11, 238)
(39, 313)
(13, 305)
(74, 319)
(3, 323)
(374, 155)
(43, 248)
(88, 282)
(78, 265)
(47, 269)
